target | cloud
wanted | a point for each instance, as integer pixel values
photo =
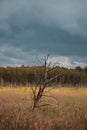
(66, 14)
(8, 57)
(69, 61)
(29, 26)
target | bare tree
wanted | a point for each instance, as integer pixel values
(38, 91)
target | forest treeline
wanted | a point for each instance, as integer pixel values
(25, 75)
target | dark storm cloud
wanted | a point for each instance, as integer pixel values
(42, 26)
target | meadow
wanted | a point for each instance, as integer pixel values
(67, 110)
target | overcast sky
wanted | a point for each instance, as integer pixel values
(30, 28)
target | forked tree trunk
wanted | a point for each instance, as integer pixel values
(38, 92)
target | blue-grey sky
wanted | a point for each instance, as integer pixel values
(30, 28)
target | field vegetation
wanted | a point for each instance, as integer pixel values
(67, 110)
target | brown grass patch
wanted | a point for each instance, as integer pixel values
(68, 112)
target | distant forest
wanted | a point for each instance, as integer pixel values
(27, 76)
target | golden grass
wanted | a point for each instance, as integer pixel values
(67, 112)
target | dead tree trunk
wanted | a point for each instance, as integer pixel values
(38, 91)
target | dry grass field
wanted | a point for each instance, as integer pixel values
(67, 112)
